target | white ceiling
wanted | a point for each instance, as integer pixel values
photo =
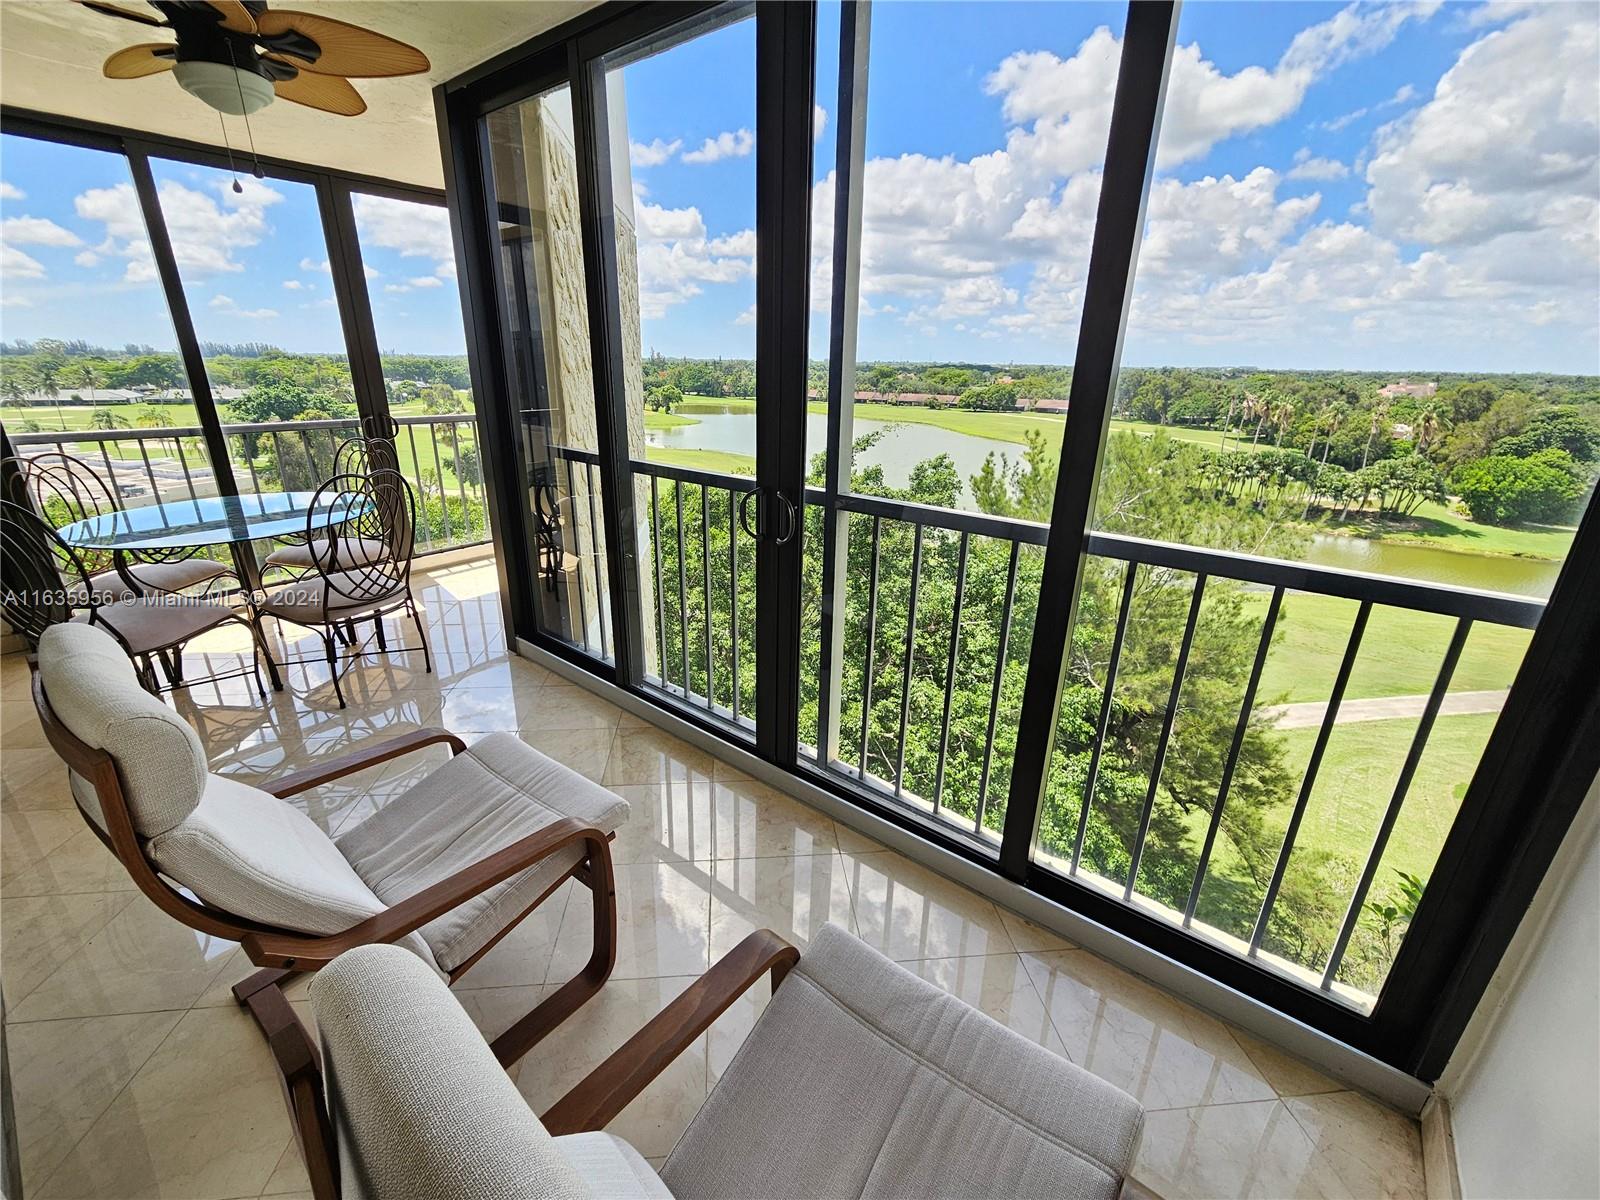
(51, 51)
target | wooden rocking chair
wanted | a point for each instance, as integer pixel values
(446, 870)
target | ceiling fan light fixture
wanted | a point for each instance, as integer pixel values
(225, 88)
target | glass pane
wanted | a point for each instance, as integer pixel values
(1326, 212)
(416, 315)
(545, 327)
(978, 201)
(89, 348)
(254, 266)
(683, 186)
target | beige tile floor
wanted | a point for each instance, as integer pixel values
(135, 1075)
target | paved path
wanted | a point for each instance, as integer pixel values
(1383, 708)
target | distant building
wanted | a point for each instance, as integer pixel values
(1046, 404)
(1405, 387)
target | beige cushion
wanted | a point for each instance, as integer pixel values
(421, 1108)
(349, 552)
(95, 693)
(302, 600)
(496, 793)
(860, 1079)
(152, 623)
(611, 1167)
(109, 586)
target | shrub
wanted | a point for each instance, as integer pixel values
(1503, 489)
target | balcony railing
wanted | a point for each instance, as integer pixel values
(438, 455)
(909, 658)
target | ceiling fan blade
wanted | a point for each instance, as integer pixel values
(235, 16)
(327, 92)
(141, 60)
(112, 10)
(347, 50)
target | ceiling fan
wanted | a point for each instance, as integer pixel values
(237, 56)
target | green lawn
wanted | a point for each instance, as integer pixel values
(720, 461)
(1441, 527)
(1358, 777)
(666, 420)
(1400, 651)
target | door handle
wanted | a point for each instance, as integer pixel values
(744, 515)
(791, 521)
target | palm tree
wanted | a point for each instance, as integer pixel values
(1282, 417)
(1257, 407)
(104, 418)
(1227, 423)
(154, 416)
(17, 383)
(49, 385)
(84, 376)
(1380, 416)
(1428, 427)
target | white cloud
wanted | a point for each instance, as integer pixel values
(14, 264)
(1309, 166)
(411, 229)
(677, 256)
(36, 231)
(1508, 144)
(87, 258)
(229, 307)
(313, 264)
(654, 153)
(747, 317)
(425, 281)
(819, 122)
(294, 285)
(736, 143)
(205, 235)
(8, 192)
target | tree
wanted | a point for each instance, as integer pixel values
(153, 416)
(996, 397)
(17, 381)
(1378, 424)
(1505, 490)
(1564, 427)
(663, 398)
(440, 399)
(105, 418)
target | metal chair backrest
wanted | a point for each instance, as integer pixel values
(368, 555)
(39, 571)
(64, 489)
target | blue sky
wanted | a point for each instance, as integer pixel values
(254, 265)
(1409, 187)
(1321, 200)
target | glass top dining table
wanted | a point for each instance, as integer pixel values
(212, 521)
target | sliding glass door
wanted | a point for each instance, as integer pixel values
(839, 429)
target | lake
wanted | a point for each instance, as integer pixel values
(902, 446)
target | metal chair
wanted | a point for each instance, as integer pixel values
(44, 578)
(362, 567)
(373, 447)
(64, 489)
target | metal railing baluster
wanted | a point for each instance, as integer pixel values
(277, 457)
(1408, 771)
(149, 471)
(1239, 731)
(994, 687)
(866, 666)
(602, 611)
(655, 555)
(1304, 798)
(683, 590)
(705, 584)
(1093, 773)
(461, 483)
(577, 553)
(416, 468)
(733, 595)
(1165, 739)
(950, 671)
(905, 670)
(438, 469)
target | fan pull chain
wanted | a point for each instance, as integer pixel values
(248, 132)
(226, 145)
